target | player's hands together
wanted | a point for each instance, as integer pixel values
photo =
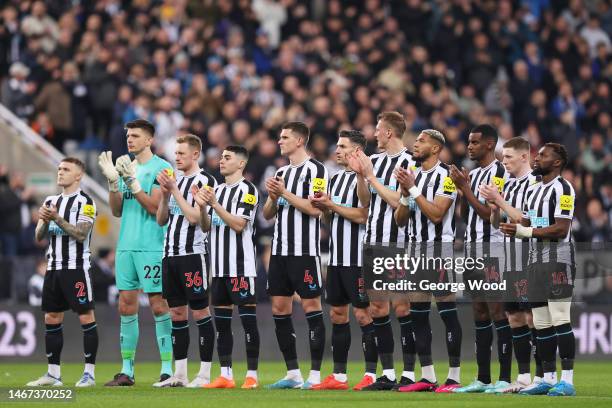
(198, 198)
(508, 228)
(354, 163)
(366, 164)
(321, 201)
(166, 181)
(105, 162)
(48, 214)
(208, 196)
(275, 187)
(490, 192)
(461, 178)
(127, 170)
(405, 178)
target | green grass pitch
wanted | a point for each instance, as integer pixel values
(592, 381)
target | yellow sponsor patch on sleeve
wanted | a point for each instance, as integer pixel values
(566, 202)
(89, 210)
(319, 185)
(169, 172)
(449, 186)
(499, 182)
(249, 199)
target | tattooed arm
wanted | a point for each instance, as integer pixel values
(78, 232)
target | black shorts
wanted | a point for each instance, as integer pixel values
(65, 289)
(290, 274)
(489, 274)
(344, 285)
(517, 290)
(185, 280)
(238, 291)
(554, 280)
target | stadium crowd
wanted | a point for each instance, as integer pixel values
(234, 71)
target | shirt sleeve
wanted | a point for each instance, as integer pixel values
(319, 182)
(88, 213)
(565, 198)
(248, 203)
(447, 188)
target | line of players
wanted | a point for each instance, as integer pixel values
(393, 196)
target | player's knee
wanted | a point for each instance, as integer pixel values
(559, 313)
(159, 306)
(402, 309)
(541, 318)
(481, 311)
(54, 317)
(362, 316)
(529, 319)
(516, 319)
(128, 304)
(199, 311)
(339, 315)
(281, 305)
(379, 309)
(311, 305)
(497, 313)
(87, 317)
(178, 313)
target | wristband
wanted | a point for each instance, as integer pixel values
(523, 232)
(414, 191)
(113, 186)
(404, 201)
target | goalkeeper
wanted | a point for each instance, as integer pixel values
(134, 195)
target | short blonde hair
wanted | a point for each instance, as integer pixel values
(192, 140)
(395, 121)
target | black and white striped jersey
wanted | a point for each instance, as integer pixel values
(432, 183)
(181, 237)
(231, 253)
(516, 250)
(346, 237)
(545, 203)
(296, 233)
(381, 226)
(478, 229)
(64, 251)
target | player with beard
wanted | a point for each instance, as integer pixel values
(344, 285)
(378, 188)
(480, 241)
(547, 221)
(508, 205)
(427, 205)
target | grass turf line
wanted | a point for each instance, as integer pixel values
(591, 379)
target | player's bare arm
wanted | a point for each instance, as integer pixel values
(192, 214)
(389, 196)
(42, 227)
(462, 181)
(270, 207)
(78, 232)
(357, 215)
(301, 204)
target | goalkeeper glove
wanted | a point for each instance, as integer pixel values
(127, 170)
(105, 161)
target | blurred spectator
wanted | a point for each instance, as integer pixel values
(27, 244)
(234, 71)
(103, 273)
(10, 208)
(17, 92)
(64, 101)
(35, 284)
